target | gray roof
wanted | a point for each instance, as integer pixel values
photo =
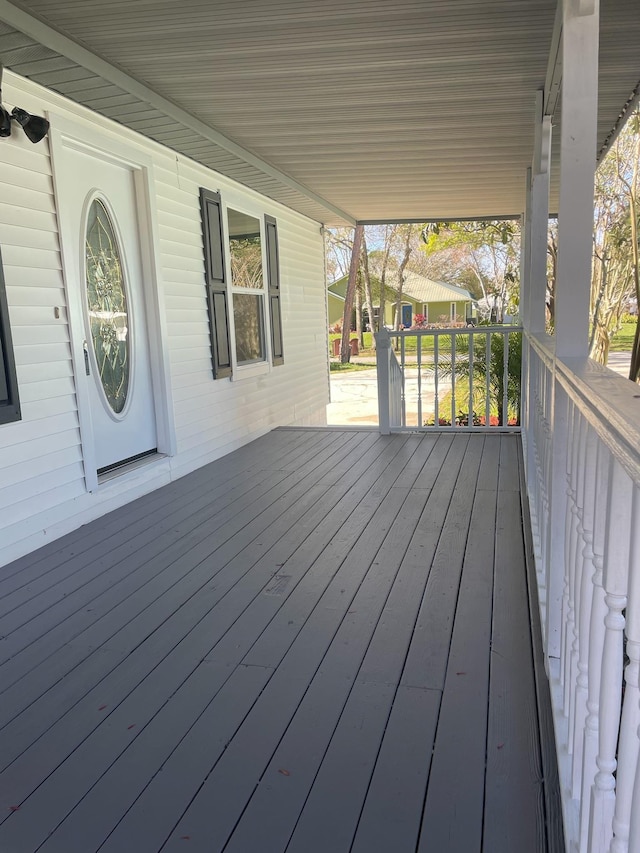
(425, 290)
(367, 110)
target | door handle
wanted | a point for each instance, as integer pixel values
(85, 349)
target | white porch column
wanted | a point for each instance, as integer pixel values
(539, 218)
(580, 31)
(525, 256)
(383, 351)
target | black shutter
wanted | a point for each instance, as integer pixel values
(217, 298)
(9, 402)
(273, 278)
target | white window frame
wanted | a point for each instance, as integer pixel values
(262, 367)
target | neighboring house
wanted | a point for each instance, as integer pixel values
(436, 301)
(335, 307)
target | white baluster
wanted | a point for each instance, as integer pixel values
(629, 745)
(584, 610)
(615, 577)
(567, 540)
(634, 831)
(578, 566)
(596, 643)
(570, 551)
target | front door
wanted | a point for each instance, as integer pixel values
(99, 211)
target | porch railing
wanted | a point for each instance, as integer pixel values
(581, 439)
(439, 379)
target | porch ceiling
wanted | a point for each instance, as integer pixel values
(366, 110)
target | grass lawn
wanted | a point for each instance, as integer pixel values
(349, 366)
(411, 344)
(623, 341)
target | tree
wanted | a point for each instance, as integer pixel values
(627, 148)
(488, 250)
(368, 298)
(408, 233)
(345, 348)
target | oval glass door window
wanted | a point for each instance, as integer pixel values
(107, 306)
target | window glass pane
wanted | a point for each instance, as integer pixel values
(246, 250)
(247, 315)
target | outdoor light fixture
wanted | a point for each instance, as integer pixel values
(35, 127)
(5, 122)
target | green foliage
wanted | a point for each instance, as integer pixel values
(461, 368)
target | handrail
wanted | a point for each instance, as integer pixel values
(607, 400)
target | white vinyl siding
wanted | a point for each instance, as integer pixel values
(42, 486)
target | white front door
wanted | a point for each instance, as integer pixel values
(99, 214)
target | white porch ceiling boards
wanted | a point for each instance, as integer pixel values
(383, 110)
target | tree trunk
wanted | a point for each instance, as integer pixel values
(596, 310)
(359, 311)
(552, 249)
(383, 283)
(345, 348)
(634, 370)
(401, 269)
(367, 290)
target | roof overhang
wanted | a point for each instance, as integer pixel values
(362, 111)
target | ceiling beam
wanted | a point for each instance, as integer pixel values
(59, 43)
(625, 112)
(431, 219)
(553, 79)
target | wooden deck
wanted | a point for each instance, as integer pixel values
(318, 644)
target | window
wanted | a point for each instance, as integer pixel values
(247, 287)
(241, 293)
(9, 401)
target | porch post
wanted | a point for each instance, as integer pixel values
(525, 256)
(525, 301)
(383, 351)
(539, 218)
(580, 31)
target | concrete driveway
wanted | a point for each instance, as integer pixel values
(354, 398)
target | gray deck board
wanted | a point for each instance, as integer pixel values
(116, 597)
(121, 521)
(514, 806)
(310, 645)
(453, 810)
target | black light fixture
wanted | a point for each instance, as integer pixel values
(35, 127)
(5, 120)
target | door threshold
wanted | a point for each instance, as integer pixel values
(111, 472)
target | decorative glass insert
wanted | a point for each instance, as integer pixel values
(107, 306)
